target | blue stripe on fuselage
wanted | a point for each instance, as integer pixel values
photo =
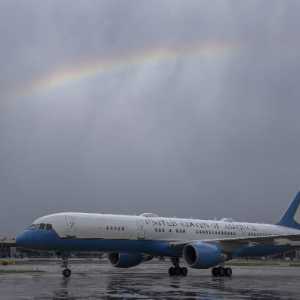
(49, 240)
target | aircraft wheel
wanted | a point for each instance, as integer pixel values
(221, 271)
(183, 271)
(215, 272)
(171, 271)
(66, 273)
(228, 272)
(177, 271)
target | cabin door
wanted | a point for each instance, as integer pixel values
(140, 229)
(70, 228)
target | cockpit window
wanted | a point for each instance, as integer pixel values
(42, 226)
(33, 226)
(48, 227)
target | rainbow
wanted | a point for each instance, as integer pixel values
(87, 69)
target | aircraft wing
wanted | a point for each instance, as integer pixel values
(230, 244)
(276, 240)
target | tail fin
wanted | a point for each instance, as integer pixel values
(292, 216)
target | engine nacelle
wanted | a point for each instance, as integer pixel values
(125, 260)
(200, 255)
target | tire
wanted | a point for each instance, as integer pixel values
(184, 271)
(66, 273)
(228, 272)
(221, 272)
(215, 272)
(172, 271)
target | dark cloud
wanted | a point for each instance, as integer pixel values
(203, 136)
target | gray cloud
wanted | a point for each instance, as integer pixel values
(203, 136)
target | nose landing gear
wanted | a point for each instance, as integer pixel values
(177, 270)
(66, 272)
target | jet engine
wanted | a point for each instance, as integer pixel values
(200, 255)
(126, 260)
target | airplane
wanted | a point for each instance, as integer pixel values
(130, 240)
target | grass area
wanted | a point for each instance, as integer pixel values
(263, 263)
(19, 271)
(253, 263)
(8, 267)
(6, 262)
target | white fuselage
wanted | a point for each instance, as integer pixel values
(131, 240)
(106, 226)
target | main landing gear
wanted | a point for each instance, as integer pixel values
(66, 272)
(221, 272)
(177, 270)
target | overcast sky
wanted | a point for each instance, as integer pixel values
(182, 108)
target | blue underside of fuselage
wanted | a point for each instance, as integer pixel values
(49, 240)
(41, 240)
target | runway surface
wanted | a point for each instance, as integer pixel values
(148, 281)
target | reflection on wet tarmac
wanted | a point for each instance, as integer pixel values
(150, 281)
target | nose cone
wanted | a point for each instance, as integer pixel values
(24, 239)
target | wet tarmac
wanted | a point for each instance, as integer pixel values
(148, 281)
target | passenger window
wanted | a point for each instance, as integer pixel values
(42, 226)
